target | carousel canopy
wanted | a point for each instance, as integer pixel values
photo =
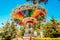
(28, 14)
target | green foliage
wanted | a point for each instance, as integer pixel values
(9, 31)
(22, 31)
(52, 29)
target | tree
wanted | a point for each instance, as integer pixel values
(51, 29)
(9, 31)
(22, 31)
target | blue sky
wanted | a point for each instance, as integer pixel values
(6, 6)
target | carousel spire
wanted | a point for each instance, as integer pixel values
(37, 1)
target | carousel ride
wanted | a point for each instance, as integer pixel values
(30, 14)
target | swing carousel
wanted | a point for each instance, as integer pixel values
(29, 14)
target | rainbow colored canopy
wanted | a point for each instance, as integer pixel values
(28, 14)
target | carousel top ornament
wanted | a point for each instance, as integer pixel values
(31, 14)
(38, 1)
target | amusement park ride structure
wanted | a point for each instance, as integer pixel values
(38, 1)
(29, 15)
